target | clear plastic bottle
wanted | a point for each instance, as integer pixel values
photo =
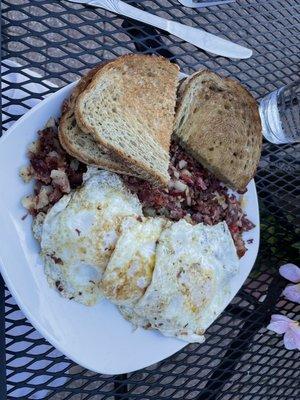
(280, 114)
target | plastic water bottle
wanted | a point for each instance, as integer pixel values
(280, 114)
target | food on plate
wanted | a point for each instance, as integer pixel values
(79, 144)
(129, 109)
(37, 226)
(194, 194)
(170, 276)
(202, 198)
(190, 283)
(217, 121)
(162, 239)
(129, 271)
(79, 233)
(48, 161)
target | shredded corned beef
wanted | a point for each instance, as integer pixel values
(55, 172)
(193, 193)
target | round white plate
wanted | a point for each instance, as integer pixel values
(97, 338)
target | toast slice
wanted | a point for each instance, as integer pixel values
(129, 109)
(81, 145)
(217, 121)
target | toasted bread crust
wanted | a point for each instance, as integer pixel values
(101, 158)
(225, 135)
(160, 137)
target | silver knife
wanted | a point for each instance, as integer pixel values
(195, 36)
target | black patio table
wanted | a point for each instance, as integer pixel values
(241, 359)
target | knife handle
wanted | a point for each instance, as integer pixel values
(122, 8)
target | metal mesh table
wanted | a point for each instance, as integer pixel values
(240, 359)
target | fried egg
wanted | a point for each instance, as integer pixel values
(79, 234)
(130, 268)
(190, 282)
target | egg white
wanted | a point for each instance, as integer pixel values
(79, 234)
(130, 268)
(190, 282)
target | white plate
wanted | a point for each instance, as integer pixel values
(97, 338)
